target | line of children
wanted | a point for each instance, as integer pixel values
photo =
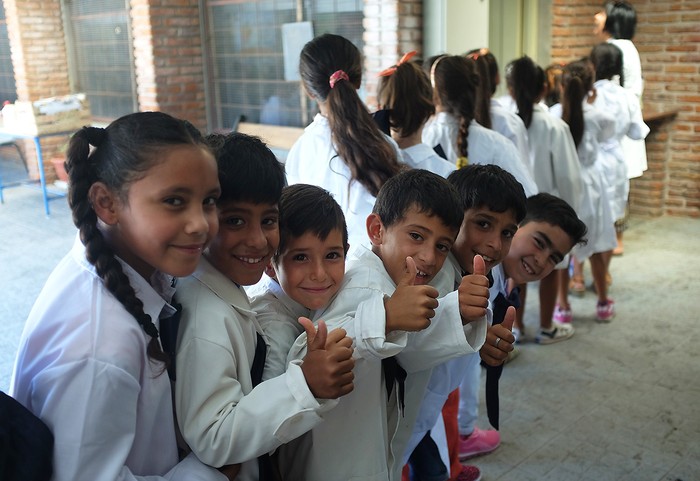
(226, 415)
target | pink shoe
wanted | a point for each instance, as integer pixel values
(562, 316)
(605, 312)
(469, 473)
(478, 442)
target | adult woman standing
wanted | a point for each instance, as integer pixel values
(616, 24)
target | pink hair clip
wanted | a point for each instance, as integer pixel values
(337, 76)
(406, 57)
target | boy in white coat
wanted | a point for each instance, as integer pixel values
(226, 415)
(385, 294)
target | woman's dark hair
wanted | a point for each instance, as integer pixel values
(621, 19)
(606, 58)
(308, 208)
(577, 80)
(528, 85)
(409, 97)
(455, 82)
(359, 142)
(487, 67)
(121, 155)
(248, 170)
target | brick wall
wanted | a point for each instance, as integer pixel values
(668, 40)
(392, 28)
(169, 58)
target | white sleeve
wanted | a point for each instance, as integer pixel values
(446, 338)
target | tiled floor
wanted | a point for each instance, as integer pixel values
(615, 402)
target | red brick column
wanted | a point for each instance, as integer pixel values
(169, 58)
(392, 28)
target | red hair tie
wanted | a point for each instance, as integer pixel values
(337, 76)
(406, 57)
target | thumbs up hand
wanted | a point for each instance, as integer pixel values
(410, 307)
(328, 363)
(473, 292)
(499, 340)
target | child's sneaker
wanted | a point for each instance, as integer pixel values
(562, 315)
(604, 312)
(480, 441)
(558, 332)
(469, 473)
(517, 335)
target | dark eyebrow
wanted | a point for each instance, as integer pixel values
(550, 246)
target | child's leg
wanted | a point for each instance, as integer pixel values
(548, 296)
(520, 312)
(472, 440)
(605, 309)
(562, 310)
(425, 462)
(578, 283)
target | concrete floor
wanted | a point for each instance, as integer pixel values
(615, 402)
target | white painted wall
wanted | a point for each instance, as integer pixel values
(455, 26)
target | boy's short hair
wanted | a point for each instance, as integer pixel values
(248, 170)
(548, 208)
(489, 186)
(308, 208)
(428, 192)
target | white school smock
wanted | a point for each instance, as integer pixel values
(508, 124)
(82, 368)
(635, 149)
(314, 160)
(422, 156)
(595, 210)
(623, 106)
(222, 417)
(553, 159)
(278, 316)
(353, 441)
(484, 147)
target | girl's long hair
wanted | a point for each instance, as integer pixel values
(528, 84)
(360, 144)
(577, 80)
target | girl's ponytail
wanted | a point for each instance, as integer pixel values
(528, 85)
(577, 80)
(331, 69)
(482, 111)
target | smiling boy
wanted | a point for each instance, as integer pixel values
(226, 415)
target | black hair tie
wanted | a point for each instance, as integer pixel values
(95, 135)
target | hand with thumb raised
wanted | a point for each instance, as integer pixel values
(411, 306)
(499, 340)
(473, 292)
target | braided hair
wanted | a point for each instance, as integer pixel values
(455, 83)
(120, 155)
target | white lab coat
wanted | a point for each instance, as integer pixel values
(634, 149)
(623, 106)
(422, 156)
(222, 417)
(595, 210)
(484, 146)
(553, 158)
(82, 367)
(508, 124)
(314, 160)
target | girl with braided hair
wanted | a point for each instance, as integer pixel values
(90, 362)
(455, 128)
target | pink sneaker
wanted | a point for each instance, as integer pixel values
(480, 441)
(605, 312)
(469, 473)
(562, 316)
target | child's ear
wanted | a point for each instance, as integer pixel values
(375, 229)
(270, 271)
(104, 202)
